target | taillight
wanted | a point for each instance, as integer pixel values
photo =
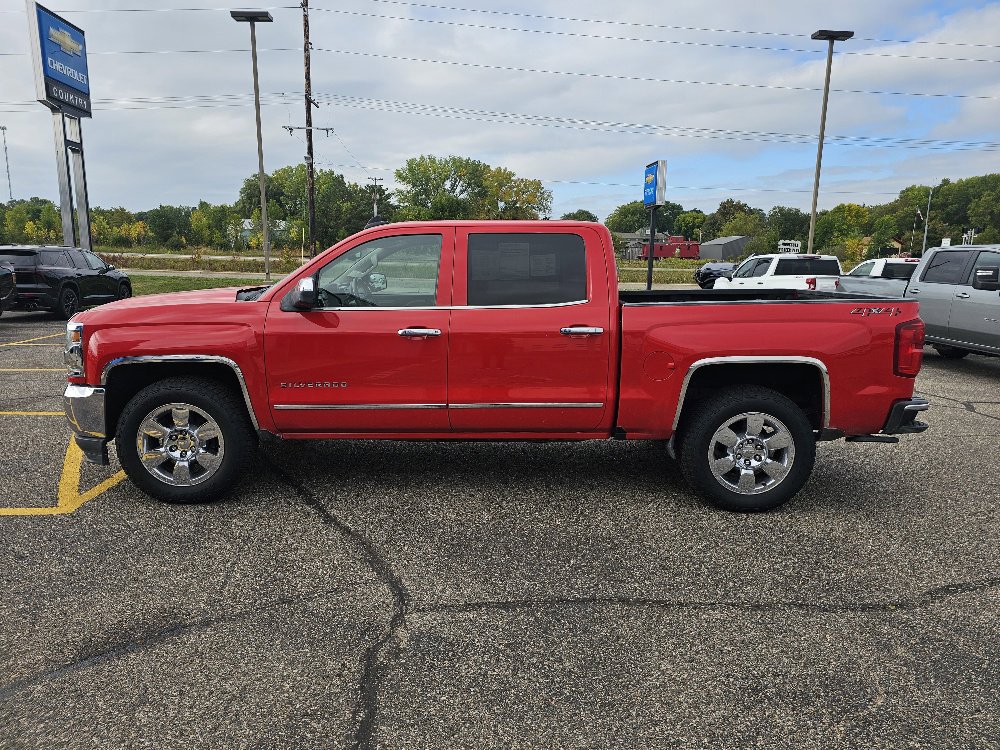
(811, 284)
(909, 353)
(836, 283)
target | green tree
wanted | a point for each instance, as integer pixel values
(788, 223)
(716, 220)
(581, 214)
(634, 216)
(689, 224)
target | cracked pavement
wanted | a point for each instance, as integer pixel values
(424, 595)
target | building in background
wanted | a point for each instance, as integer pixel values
(724, 248)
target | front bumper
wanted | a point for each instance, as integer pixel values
(84, 407)
(903, 417)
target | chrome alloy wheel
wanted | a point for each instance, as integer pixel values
(180, 445)
(751, 453)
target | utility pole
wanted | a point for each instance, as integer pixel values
(310, 173)
(375, 182)
(3, 128)
(927, 219)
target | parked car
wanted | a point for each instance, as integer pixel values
(706, 275)
(785, 271)
(882, 276)
(489, 330)
(8, 289)
(959, 297)
(63, 279)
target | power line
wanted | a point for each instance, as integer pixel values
(687, 43)
(643, 79)
(669, 27)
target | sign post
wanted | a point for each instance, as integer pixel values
(654, 195)
(62, 83)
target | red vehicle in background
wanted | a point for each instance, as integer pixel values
(674, 247)
(490, 331)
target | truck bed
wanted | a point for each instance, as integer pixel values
(660, 297)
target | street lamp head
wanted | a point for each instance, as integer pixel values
(832, 36)
(251, 16)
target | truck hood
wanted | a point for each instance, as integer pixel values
(128, 310)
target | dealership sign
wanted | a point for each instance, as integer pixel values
(654, 186)
(59, 51)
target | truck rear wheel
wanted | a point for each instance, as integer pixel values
(748, 449)
(185, 440)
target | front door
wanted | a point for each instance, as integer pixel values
(373, 356)
(975, 313)
(531, 332)
(936, 288)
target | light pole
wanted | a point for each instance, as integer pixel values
(7, 160)
(831, 37)
(253, 17)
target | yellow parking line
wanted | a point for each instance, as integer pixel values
(70, 497)
(37, 338)
(32, 413)
(32, 369)
(26, 343)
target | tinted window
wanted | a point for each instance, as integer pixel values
(19, 258)
(898, 270)
(761, 268)
(94, 262)
(53, 258)
(807, 267)
(746, 269)
(526, 269)
(986, 259)
(399, 271)
(945, 267)
(863, 270)
(78, 260)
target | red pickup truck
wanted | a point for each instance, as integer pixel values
(490, 331)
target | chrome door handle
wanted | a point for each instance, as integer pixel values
(962, 295)
(418, 332)
(914, 291)
(581, 331)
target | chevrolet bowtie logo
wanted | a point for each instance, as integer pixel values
(65, 41)
(649, 178)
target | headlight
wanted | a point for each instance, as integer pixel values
(73, 353)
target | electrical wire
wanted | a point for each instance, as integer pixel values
(687, 43)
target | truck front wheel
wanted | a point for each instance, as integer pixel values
(748, 449)
(185, 440)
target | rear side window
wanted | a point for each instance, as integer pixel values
(946, 267)
(898, 270)
(53, 258)
(863, 270)
(526, 269)
(78, 260)
(807, 267)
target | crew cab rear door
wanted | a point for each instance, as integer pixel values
(372, 356)
(531, 331)
(937, 286)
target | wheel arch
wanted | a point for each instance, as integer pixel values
(804, 380)
(124, 377)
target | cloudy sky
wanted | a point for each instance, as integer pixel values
(578, 94)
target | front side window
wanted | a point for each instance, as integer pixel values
(94, 262)
(399, 271)
(986, 259)
(863, 270)
(744, 271)
(526, 269)
(761, 268)
(946, 267)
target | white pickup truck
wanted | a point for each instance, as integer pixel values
(785, 271)
(880, 276)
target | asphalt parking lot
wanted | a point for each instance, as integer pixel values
(360, 594)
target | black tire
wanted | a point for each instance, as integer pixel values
(124, 290)
(709, 417)
(951, 352)
(68, 303)
(210, 397)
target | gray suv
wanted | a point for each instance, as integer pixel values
(959, 293)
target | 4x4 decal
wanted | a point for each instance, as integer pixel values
(869, 311)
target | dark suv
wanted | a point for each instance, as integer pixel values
(8, 291)
(62, 279)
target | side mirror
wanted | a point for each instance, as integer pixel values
(377, 282)
(303, 296)
(987, 279)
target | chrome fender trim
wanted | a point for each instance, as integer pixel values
(761, 360)
(191, 358)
